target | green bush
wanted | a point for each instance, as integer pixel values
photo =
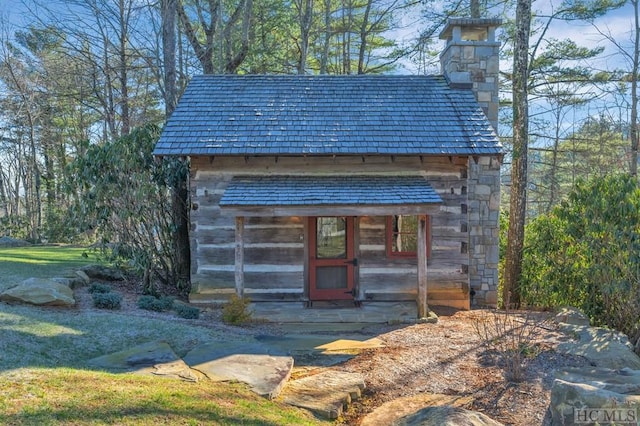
(236, 310)
(152, 303)
(586, 253)
(99, 288)
(186, 311)
(107, 300)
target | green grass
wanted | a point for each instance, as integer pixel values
(76, 397)
(18, 263)
(45, 378)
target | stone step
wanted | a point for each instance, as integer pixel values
(252, 363)
(326, 394)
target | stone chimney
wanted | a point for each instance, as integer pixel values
(470, 59)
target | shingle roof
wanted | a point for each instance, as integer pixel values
(328, 190)
(326, 115)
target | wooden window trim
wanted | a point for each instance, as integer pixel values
(404, 254)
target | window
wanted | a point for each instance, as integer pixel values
(402, 236)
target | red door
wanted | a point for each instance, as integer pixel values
(332, 259)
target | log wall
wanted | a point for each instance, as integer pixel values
(274, 249)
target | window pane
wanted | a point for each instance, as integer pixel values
(331, 241)
(405, 234)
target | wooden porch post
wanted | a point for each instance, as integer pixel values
(423, 307)
(239, 256)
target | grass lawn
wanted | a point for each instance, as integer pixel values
(45, 379)
(18, 263)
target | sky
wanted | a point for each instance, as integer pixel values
(618, 23)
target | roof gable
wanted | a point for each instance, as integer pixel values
(326, 115)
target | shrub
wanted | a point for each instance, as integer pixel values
(236, 310)
(99, 288)
(510, 337)
(152, 303)
(186, 311)
(107, 300)
(585, 253)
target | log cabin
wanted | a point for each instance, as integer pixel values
(377, 196)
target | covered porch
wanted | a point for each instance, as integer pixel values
(331, 272)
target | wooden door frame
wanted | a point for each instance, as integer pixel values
(350, 261)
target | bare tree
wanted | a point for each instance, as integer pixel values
(226, 35)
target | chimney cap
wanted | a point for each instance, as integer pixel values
(477, 28)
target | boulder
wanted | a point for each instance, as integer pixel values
(72, 283)
(83, 276)
(602, 347)
(446, 415)
(580, 394)
(572, 316)
(39, 291)
(102, 272)
(12, 242)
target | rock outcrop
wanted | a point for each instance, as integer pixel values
(608, 391)
(602, 347)
(578, 393)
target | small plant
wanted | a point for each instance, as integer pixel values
(152, 303)
(511, 337)
(107, 300)
(236, 310)
(186, 311)
(99, 288)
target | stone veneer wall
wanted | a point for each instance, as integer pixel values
(484, 228)
(471, 59)
(471, 56)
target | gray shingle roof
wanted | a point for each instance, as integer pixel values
(326, 115)
(327, 190)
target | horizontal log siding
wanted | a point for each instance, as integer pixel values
(274, 246)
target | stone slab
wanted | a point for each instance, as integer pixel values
(249, 363)
(446, 415)
(154, 358)
(326, 394)
(324, 344)
(392, 411)
(319, 350)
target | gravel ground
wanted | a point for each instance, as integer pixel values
(448, 357)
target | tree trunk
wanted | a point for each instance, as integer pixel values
(169, 10)
(633, 160)
(474, 6)
(123, 68)
(518, 201)
(364, 33)
(324, 58)
(180, 190)
(305, 9)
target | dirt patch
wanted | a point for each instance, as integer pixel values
(450, 358)
(446, 358)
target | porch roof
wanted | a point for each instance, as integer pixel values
(258, 193)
